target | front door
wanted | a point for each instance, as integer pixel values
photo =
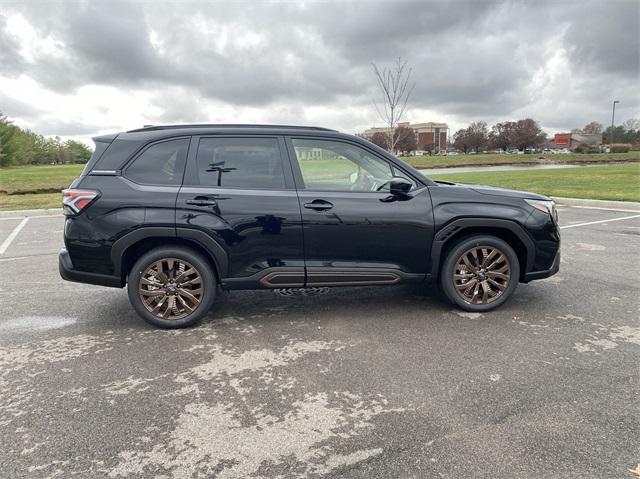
(240, 192)
(355, 232)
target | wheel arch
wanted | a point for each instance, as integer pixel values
(130, 247)
(510, 232)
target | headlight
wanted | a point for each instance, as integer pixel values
(546, 207)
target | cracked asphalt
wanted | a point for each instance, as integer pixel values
(387, 382)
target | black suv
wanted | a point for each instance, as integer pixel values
(176, 212)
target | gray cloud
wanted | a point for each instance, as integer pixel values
(471, 60)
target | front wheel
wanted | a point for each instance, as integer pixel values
(480, 273)
(171, 287)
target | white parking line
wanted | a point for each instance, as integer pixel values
(37, 216)
(599, 222)
(13, 235)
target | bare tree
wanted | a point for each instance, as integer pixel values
(395, 89)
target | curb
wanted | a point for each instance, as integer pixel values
(598, 204)
(27, 213)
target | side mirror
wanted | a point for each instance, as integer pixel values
(400, 187)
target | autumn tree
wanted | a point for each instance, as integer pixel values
(461, 140)
(405, 139)
(528, 134)
(477, 135)
(380, 139)
(501, 136)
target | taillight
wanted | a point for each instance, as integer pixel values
(74, 201)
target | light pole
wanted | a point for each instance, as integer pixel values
(613, 115)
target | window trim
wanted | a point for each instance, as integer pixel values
(141, 152)
(191, 178)
(299, 179)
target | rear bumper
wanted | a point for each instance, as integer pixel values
(67, 272)
(555, 267)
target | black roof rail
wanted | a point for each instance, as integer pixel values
(231, 125)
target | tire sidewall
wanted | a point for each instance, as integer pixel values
(197, 261)
(446, 274)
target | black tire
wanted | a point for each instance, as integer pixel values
(172, 258)
(454, 258)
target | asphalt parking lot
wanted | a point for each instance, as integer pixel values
(359, 382)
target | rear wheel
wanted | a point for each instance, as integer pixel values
(172, 287)
(480, 273)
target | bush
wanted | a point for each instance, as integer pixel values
(587, 149)
(620, 148)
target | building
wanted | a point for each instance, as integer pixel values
(429, 136)
(574, 140)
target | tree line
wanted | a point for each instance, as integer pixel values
(23, 147)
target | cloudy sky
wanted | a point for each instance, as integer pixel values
(76, 69)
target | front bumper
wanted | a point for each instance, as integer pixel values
(555, 267)
(65, 266)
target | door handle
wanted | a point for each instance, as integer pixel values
(201, 202)
(319, 205)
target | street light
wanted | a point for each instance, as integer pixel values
(613, 115)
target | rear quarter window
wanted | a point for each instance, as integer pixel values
(160, 163)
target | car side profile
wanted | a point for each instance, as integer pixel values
(176, 213)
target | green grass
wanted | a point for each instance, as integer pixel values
(28, 202)
(49, 178)
(534, 159)
(606, 182)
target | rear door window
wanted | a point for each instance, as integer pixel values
(160, 164)
(252, 163)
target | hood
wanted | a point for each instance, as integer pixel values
(495, 191)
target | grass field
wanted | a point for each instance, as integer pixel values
(39, 186)
(489, 160)
(606, 182)
(41, 179)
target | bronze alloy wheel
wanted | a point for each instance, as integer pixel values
(481, 274)
(171, 288)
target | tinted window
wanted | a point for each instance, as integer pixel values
(240, 163)
(336, 166)
(160, 164)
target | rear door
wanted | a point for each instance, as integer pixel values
(239, 190)
(355, 232)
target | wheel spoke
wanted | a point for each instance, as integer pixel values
(187, 294)
(171, 302)
(186, 273)
(485, 291)
(461, 276)
(155, 292)
(196, 280)
(467, 263)
(184, 303)
(160, 273)
(150, 282)
(476, 290)
(158, 306)
(501, 287)
(501, 259)
(488, 258)
(467, 285)
(493, 275)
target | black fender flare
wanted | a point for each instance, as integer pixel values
(459, 225)
(205, 241)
